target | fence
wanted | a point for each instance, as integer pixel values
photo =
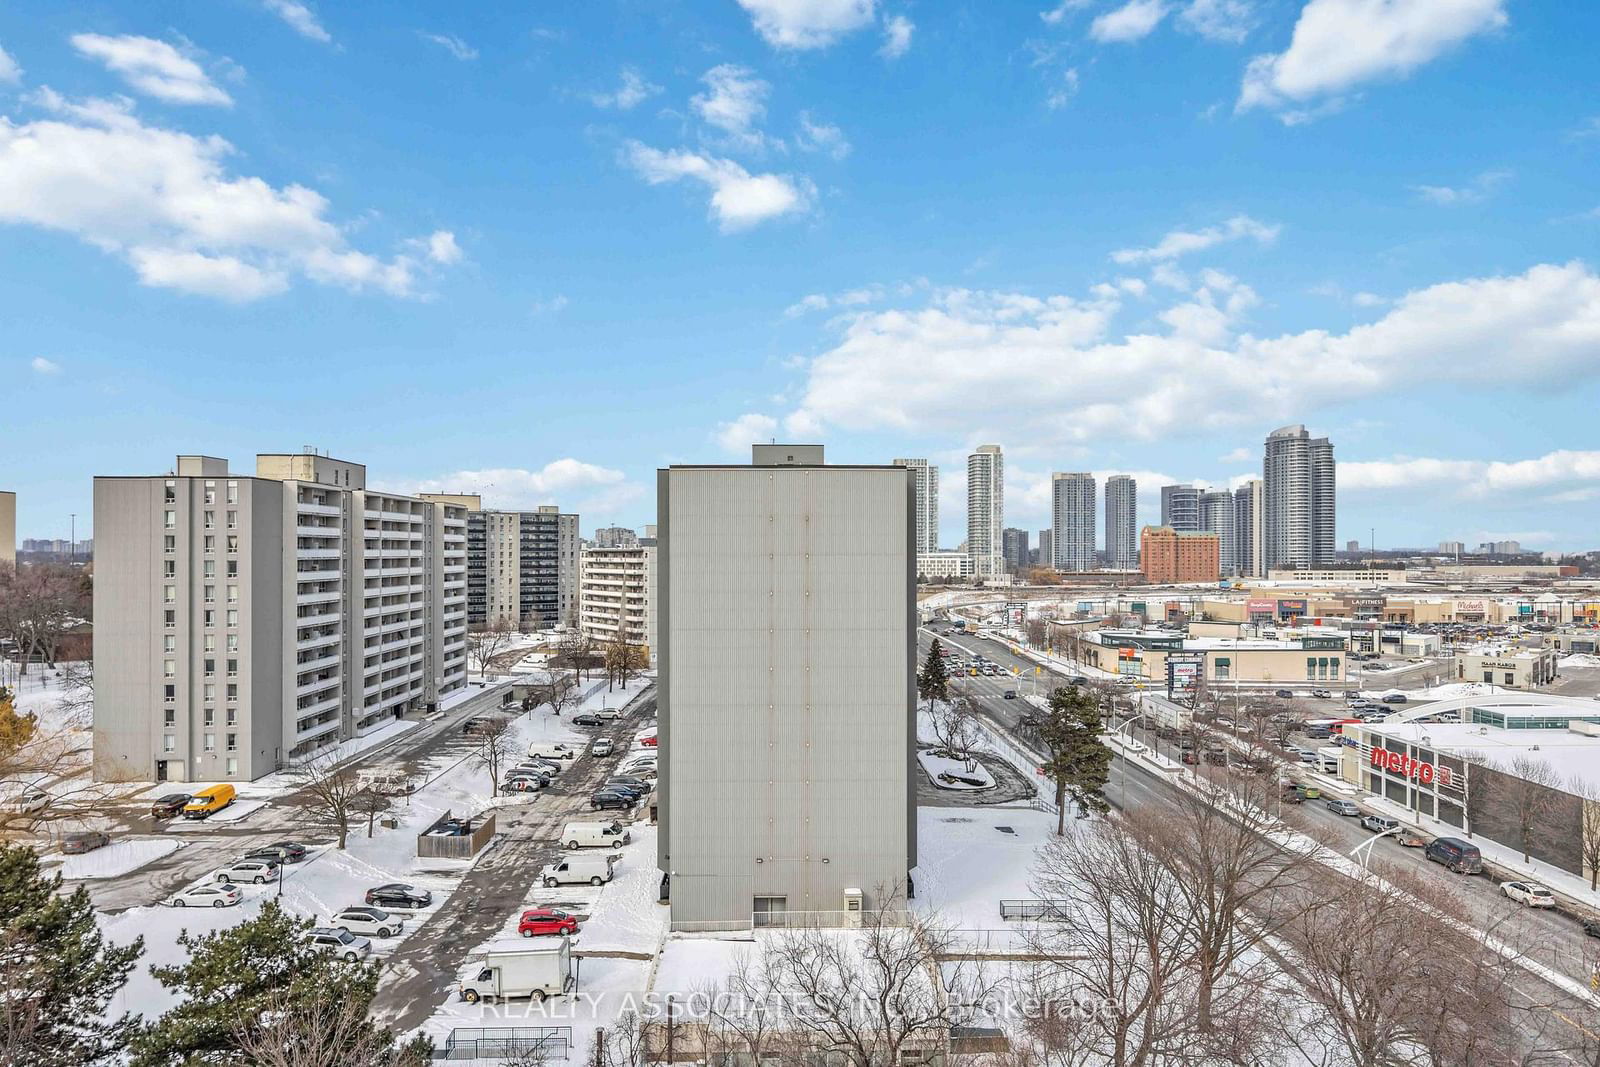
(792, 920)
(1034, 909)
(497, 1043)
(455, 846)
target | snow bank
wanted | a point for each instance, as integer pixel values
(628, 917)
(966, 865)
(934, 766)
(235, 812)
(117, 858)
(1579, 659)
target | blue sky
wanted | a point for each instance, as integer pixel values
(542, 249)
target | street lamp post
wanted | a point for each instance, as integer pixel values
(1122, 799)
(1365, 847)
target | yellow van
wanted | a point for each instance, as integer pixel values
(209, 801)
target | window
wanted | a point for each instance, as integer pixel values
(169, 668)
(209, 690)
(233, 691)
(233, 668)
(210, 668)
(768, 906)
(233, 642)
(169, 568)
(233, 542)
(169, 594)
(170, 520)
(211, 492)
(233, 716)
(233, 568)
(233, 742)
(211, 716)
(169, 543)
(169, 717)
(169, 644)
(208, 617)
(1511, 679)
(209, 543)
(171, 494)
(211, 642)
(211, 594)
(233, 520)
(169, 693)
(209, 519)
(1311, 668)
(233, 616)
(170, 618)
(210, 742)
(1488, 676)
(233, 594)
(210, 568)
(233, 767)
(168, 743)
(233, 492)
(1224, 667)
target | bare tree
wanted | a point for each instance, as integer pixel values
(486, 641)
(331, 793)
(561, 692)
(496, 747)
(955, 727)
(575, 652)
(39, 603)
(334, 1032)
(1523, 793)
(623, 660)
(53, 758)
(620, 1045)
(1588, 794)
(1037, 631)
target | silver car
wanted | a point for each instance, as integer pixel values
(340, 942)
(258, 871)
(365, 919)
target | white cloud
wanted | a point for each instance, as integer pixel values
(1338, 45)
(632, 91)
(442, 247)
(586, 488)
(818, 136)
(1238, 455)
(949, 367)
(739, 199)
(1132, 21)
(1067, 88)
(551, 306)
(10, 72)
(1182, 242)
(1570, 474)
(734, 102)
(896, 37)
(1368, 300)
(808, 23)
(1474, 192)
(1588, 128)
(153, 68)
(41, 365)
(1058, 14)
(164, 201)
(1229, 21)
(746, 430)
(452, 44)
(300, 18)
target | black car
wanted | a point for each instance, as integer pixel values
(1395, 698)
(169, 806)
(1592, 927)
(475, 725)
(1287, 694)
(608, 798)
(586, 719)
(399, 895)
(280, 852)
(628, 780)
(625, 788)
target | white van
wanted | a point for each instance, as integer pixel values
(595, 835)
(552, 750)
(571, 870)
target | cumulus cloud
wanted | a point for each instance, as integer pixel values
(1474, 192)
(164, 202)
(734, 101)
(10, 72)
(41, 365)
(748, 429)
(818, 136)
(802, 24)
(442, 247)
(632, 91)
(1058, 14)
(587, 488)
(300, 18)
(153, 68)
(739, 199)
(1568, 474)
(896, 37)
(1339, 45)
(1182, 242)
(949, 366)
(452, 44)
(1228, 21)
(1133, 21)
(1064, 90)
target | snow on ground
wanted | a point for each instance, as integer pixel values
(966, 864)
(1579, 659)
(238, 811)
(628, 915)
(118, 858)
(934, 766)
(688, 964)
(40, 692)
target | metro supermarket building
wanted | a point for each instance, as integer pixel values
(1468, 779)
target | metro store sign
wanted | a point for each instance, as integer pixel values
(1406, 767)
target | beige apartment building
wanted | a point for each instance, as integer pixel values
(8, 528)
(242, 621)
(617, 593)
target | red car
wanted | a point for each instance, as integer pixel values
(546, 921)
(648, 742)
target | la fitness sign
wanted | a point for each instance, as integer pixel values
(1406, 767)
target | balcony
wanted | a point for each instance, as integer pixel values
(328, 703)
(319, 596)
(306, 643)
(315, 729)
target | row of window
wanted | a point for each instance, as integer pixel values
(169, 568)
(208, 742)
(170, 717)
(210, 490)
(208, 542)
(169, 691)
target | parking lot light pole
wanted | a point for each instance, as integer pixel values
(1122, 801)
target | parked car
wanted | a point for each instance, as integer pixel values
(281, 852)
(554, 750)
(629, 780)
(607, 714)
(169, 806)
(626, 788)
(340, 942)
(399, 895)
(1395, 698)
(224, 895)
(1592, 927)
(476, 724)
(539, 921)
(588, 718)
(1460, 856)
(1342, 807)
(571, 870)
(602, 746)
(538, 766)
(524, 783)
(30, 801)
(1287, 694)
(87, 841)
(207, 802)
(1323, 694)
(1379, 824)
(1530, 894)
(372, 922)
(259, 871)
(603, 799)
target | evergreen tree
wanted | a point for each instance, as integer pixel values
(1079, 764)
(15, 730)
(934, 683)
(56, 971)
(241, 980)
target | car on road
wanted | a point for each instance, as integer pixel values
(87, 841)
(602, 746)
(1379, 824)
(476, 724)
(588, 718)
(281, 852)
(604, 799)
(1010, 694)
(1342, 807)
(224, 895)
(1530, 894)
(169, 806)
(371, 922)
(1286, 694)
(539, 921)
(1395, 698)
(399, 895)
(340, 942)
(259, 871)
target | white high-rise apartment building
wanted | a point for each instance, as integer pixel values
(616, 592)
(1248, 535)
(986, 518)
(1299, 499)
(927, 478)
(1217, 516)
(1122, 522)
(243, 621)
(1072, 499)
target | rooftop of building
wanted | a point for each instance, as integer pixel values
(1571, 755)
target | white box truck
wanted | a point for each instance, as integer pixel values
(507, 969)
(594, 835)
(570, 870)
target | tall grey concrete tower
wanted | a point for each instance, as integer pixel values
(1122, 527)
(1072, 511)
(786, 622)
(1216, 516)
(1247, 529)
(986, 511)
(1298, 498)
(1180, 507)
(926, 477)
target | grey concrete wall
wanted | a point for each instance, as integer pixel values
(127, 627)
(787, 699)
